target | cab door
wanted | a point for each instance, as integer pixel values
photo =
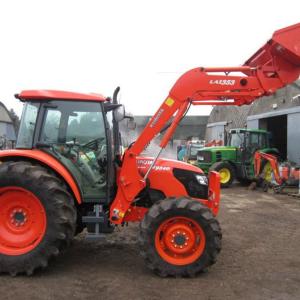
(75, 133)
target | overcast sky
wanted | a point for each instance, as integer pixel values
(143, 46)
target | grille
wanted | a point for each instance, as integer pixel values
(192, 186)
(218, 156)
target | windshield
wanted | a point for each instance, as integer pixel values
(257, 140)
(195, 149)
(69, 122)
(236, 140)
(26, 131)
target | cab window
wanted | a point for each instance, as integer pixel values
(27, 126)
(75, 134)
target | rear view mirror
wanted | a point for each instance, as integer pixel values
(119, 113)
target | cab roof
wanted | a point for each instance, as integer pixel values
(28, 95)
(248, 130)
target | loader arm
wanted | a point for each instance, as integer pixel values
(272, 67)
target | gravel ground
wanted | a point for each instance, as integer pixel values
(259, 260)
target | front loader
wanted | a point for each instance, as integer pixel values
(67, 172)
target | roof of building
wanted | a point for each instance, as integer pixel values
(58, 95)
(284, 98)
(236, 116)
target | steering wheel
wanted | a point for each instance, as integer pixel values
(93, 143)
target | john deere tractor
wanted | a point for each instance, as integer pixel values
(235, 160)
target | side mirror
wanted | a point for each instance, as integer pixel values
(119, 113)
(131, 124)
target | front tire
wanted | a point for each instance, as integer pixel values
(38, 217)
(179, 237)
(226, 171)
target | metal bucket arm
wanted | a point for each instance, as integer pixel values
(280, 56)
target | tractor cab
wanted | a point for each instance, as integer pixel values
(79, 134)
(247, 141)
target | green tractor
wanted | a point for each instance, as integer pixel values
(235, 160)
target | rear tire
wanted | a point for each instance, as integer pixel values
(179, 237)
(227, 173)
(39, 211)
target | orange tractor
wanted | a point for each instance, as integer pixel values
(67, 172)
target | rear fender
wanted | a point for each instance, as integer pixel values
(47, 160)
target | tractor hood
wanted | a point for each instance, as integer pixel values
(164, 165)
(218, 148)
(173, 178)
(210, 155)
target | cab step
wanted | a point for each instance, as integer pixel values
(97, 223)
(95, 237)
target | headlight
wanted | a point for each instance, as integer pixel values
(199, 157)
(202, 179)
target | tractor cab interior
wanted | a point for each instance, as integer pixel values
(248, 142)
(75, 133)
(252, 140)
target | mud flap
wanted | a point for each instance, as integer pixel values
(214, 189)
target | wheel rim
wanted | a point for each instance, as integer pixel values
(224, 175)
(267, 172)
(22, 221)
(180, 240)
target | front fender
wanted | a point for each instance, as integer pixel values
(49, 161)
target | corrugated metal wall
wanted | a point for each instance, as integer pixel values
(293, 137)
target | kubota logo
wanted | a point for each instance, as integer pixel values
(156, 118)
(222, 82)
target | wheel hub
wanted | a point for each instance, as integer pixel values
(225, 175)
(23, 221)
(180, 240)
(18, 217)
